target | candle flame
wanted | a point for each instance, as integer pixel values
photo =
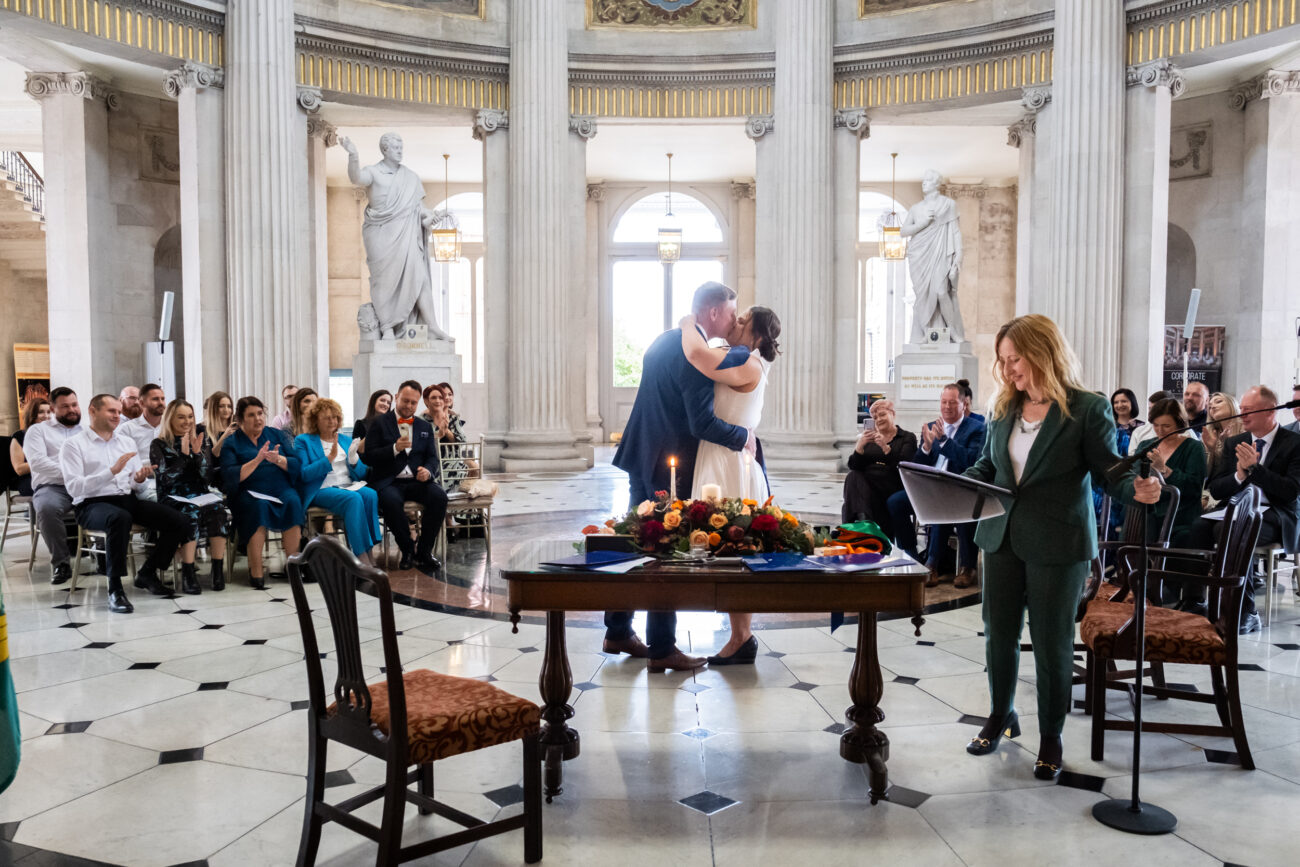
(672, 461)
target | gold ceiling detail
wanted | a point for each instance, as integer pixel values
(182, 34)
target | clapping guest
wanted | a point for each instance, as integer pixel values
(326, 472)
(145, 429)
(130, 400)
(873, 468)
(380, 402)
(1180, 460)
(457, 423)
(42, 445)
(218, 420)
(1214, 434)
(37, 410)
(259, 460)
(301, 404)
(185, 467)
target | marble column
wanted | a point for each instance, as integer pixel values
(851, 127)
(320, 136)
(1151, 88)
(799, 408)
(491, 127)
(200, 113)
(540, 434)
(264, 157)
(79, 225)
(1087, 204)
(1270, 198)
(1031, 135)
(742, 239)
(582, 321)
(764, 190)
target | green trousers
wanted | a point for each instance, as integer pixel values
(1051, 595)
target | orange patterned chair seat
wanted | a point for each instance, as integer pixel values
(449, 715)
(1171, 636)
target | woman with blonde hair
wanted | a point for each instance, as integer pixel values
(1214, 434)
(218, 419)
(327, 473)
(1048, 436)
(299, 405)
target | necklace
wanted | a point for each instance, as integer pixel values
(1040, 402)
(1027, 427)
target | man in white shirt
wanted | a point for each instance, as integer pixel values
(284, 421)
(102, 472)
(50, 498)
(131, 408)
(144, 430)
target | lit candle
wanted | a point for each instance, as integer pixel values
(711, 492)
(672, 479)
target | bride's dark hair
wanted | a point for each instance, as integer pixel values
(767, 328)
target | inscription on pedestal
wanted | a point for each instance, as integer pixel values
(925, 381)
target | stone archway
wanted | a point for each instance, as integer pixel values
(1180, 273)
(167, 278)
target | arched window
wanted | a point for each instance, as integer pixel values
(650, 297)
(885, 295)
(458, 286)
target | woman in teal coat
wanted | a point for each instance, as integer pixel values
(1048, 437)
(328, 471)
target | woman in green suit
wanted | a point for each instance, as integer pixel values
(1047, 438)
(1180, 459)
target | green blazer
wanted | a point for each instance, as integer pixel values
(1051, 520)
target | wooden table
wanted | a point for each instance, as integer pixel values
(657, 587)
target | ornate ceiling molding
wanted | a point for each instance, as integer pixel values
(583, 126)
(1041, 21)
(193, 76)
(488, 121)
(854, 120)
(1157, 73)
(998, 48)
(758, 125)
(323, 30)
(41, 85)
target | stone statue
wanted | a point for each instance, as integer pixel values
(934, 260)
(396, 235)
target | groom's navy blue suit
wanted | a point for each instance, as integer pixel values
(672, 413)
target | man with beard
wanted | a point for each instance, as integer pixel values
(130, 398)
(1196, 400)
(50, 498)
(144, 430)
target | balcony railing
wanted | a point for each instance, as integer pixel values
(18, 171)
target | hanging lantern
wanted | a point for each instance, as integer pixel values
(892, 243)
(670, 232)
(446, 241)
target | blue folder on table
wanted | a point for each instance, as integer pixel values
(593, 559)
(784, 561)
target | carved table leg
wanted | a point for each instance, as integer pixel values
(862, 741)
(558, 741)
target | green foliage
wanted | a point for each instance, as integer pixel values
(627, 362)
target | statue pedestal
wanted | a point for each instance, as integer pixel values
(389, 363)
(921, 372)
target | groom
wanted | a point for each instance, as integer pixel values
(672, 413)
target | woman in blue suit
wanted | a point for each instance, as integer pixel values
(1047, 437)
(325, 471)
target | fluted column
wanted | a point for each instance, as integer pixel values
(540, 435)
(798, 417)
(320, 136)
(269, 346)
(582, 303)
(1087, 210)
(200, 114)
(491, 127)
(78, 229)
(1032, 136)
(1151, 88)
(1269, 302)
(851, 127)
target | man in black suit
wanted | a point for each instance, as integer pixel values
(1268, 457)
(402, 454)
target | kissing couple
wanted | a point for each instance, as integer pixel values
(700, 399)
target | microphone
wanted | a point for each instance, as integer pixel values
(1116, 472)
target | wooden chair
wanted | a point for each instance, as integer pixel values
(14, 500)
(1100, 592)
(1183, 637)
(92, 542)
(414, 515)
(409, 720)
(1269, 556)
(458, 463)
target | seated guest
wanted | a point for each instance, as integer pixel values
(380, 402)
(951, 443)
(131, 407)
(259, 460)
(1196, 400)
(1123, 404)
(325, 472)
(302, 402)
(1294, 426)
(457, 423)
(967, 399)
(51, 501)
(1180, 460)
(1267, 457)
(218, 420)
(1143, 431)
(184, 466)
(285, 418)
(145, 429)
(102, 470)
(1216, 433)
(38, 410)
(401, 451)
(873, 468)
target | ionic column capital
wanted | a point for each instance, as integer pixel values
(742, 190)
(583, 126)
(1267, 85)
(488, 121)
(41, 85)
(853, 120)
(319, 127)
(1036, 98)
(1022, 130)
(193, 76)
(309, 99)
(964, 191)
(758, 125)
(596, 192)
(1160, 72)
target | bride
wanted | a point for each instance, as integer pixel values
(737, 399)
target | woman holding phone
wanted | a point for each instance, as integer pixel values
(873, 467)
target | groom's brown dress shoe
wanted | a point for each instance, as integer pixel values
(632, 646)
(676, 661)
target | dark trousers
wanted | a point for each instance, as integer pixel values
(1205, 534)
(114, 516)
(661, 626)
(869, 498)
(937, 547)
(392, 505)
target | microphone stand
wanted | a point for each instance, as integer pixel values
(1133, 815)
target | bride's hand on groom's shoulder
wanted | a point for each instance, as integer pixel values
(687, 321)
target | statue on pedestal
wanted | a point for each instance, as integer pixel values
(396, 235)
(934, 260)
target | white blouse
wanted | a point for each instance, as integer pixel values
(1018, 446)
(338, 475)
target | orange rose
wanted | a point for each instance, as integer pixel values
(717, 520)
(791, 519)
(589, 529)
(673, 520)
(699, 539)
(749, 502)
(678, 505)
(715, 539)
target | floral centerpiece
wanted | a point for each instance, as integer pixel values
(666, 527)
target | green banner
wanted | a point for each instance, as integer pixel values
(11, 738)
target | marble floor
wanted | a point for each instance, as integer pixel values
(177, 735)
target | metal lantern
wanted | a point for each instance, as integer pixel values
(446, 241)
(670, 233)
(892, 243)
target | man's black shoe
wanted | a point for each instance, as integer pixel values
(62, 573)
(429, 565)
(145, 579)
(118, 603)
(1249, 623)
(406, 562)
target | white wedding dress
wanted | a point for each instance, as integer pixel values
(719, 465)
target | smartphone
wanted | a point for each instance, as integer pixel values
(868, 423)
